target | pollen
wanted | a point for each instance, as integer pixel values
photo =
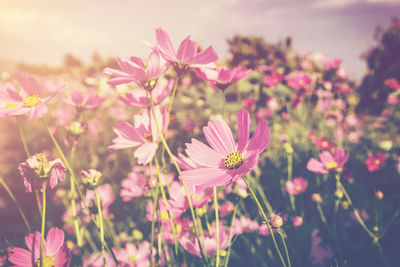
(331, 165)
(233, 160)
(148, 137)
(324, 144)
(48, 261)
(31, 101)
(132, 258)
(11, 105)
(377, 162)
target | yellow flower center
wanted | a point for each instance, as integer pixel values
(148, 137)
(31, 101)
(11, 105)
(298, 187)
(48, 261)
(164, 216)
(233, 160)
(178, 228)
(324, 144)
(132, 258)
(331, 165)
(377, 162)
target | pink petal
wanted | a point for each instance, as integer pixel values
(220, 137)
(127, 132)
(21, 257)
(32, 242)
(38, 111)
(316, 166)
(54, 241)
(165, 44)
(260, 138)
(243, 129)
(145, 153)
(30, 85)
(201, 178)
(77, 97)
(187, 50)
(202, 154)
(326, 157)
(206, 56)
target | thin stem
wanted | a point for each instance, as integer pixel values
(43, 222)
(266, 220)
(284, 245)
(10, 193)
(230, 236)
(100, 218)
(384, 259)
(153, 220)
(217, 225)
(321, 213)
(223, 104)
(289, 178)
(73, 206)
(183, 182)
(166, 206)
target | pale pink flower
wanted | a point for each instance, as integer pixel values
(222, 77)
(135, 256)
(375, 162)
(143, 135)
(392, 83)
(226, 161)
(187, 55)
(137, 71)
(297, 186)
(135, 185)
(140, 97)
(249, 103)
(55, 251)
(297, 221)
(29, 99)
(106, 196)
(248, 225)
(226, 208)
(96, 260)
(89, 101)
(38, 170)
(323, 143)
(320, 253)
(328, 161)
(298, 80)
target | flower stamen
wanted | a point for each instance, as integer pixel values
(48, 261)
(233, 160)
(31, 101)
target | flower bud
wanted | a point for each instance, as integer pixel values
(90, 177)
(288, 147)
(277, 221)
(316, 197)
(339, 194)
(379, 194)
(345, 205)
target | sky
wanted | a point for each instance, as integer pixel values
(42, 31)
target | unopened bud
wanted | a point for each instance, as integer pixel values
(90, 177)
(316, 197)
(137, 235)
(277, 221)
(288, 147)
(379, 194)
(339, 194)
(345, 205)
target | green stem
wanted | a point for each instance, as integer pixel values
(217, 225)
(10, 193)
(223, 104)
(73, 206)
(166, 206)
(384, 259)
(43, 222)
(183, 182)
(153, 220)
(321, 213)
(266, 220)
(284, 245)
(230, 236)
(289, 178)
(100, 218)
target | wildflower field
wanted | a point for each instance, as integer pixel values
(266, 158)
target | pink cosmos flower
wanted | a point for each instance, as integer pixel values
(38, 170)
(55, 251)
(106, 196)
(187, 55)
(135, 185)
(226, 208)
(226, 161)
(222, 77)
(392, 83)
(297, 221)
(298, 80)
(89, 101)
(249, 103)
(248, 225)
(297, 186)
(28, 100)
(137, 71)
(319, 252)
(328, 161)
(140, 97)
(374, 163)
(143, 135)
(273, 79)
(135, 256)
(323, 143)
(96, 260)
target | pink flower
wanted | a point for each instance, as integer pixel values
(140, 97)
(135, 256)
(273, 79)
(143, 135)
(38, 170)
(28, 100)
(249, 103)
(226, 161)
(187, 55)
(135, 185)
(226, 208)
(106, 196)
(319, 252)
(55, 251)
(297, 221)
(137, 71)
(298, 80)
(297, 186)
(89, 101)
(392, 83)
(328, 161)
(323, 143)
(374, 163)
(262, 113)
(96, 260)
(222, 77)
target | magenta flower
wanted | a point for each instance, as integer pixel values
(273, 79)
(374, 163)
(106, 196)
(137, 71)
(135, 185)
(38, 170)
(96, 260)
(328, 161)
(28, 100)
(249, 103)
(140, 97)
(55, 251)
(297, 186)
(323, 143)
(298, 80)
(226, 161)
(187, 55)
(135, 256)
(89, 101)
(142, 135)
(222, 77)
